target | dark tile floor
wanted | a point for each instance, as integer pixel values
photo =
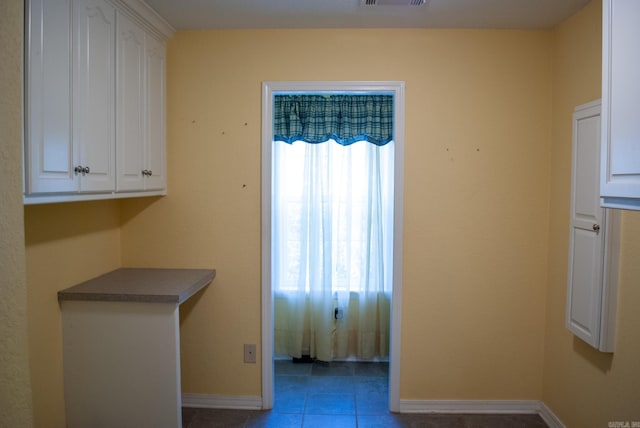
(340, 395)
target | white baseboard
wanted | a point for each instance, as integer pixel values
(221, 402)
(469, 406)
(482, 406)
(406, 406)
(549, 417)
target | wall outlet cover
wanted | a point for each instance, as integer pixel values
(249, 353)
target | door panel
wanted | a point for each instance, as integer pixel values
(49, 149)
(130, 105)
(584, 296)
(95, 124)
(593, 242)
(155, 114)
(587, 211)
(585, 277)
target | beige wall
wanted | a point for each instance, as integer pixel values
(15, 390)
(486, 175)
(586, 388)
(65, 244)
(478, 127)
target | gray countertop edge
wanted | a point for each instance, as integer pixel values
(114, 297)
(196, 287)
(70, 294)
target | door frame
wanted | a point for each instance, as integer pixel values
(269, 89)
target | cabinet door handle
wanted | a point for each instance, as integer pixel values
(81, 170)
(596, 227)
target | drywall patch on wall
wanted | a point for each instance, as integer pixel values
(15, 388)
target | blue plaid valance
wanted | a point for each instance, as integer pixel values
(344, 118)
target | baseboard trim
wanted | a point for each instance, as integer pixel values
(549, 417)
(406, 406)
(221, 402)
(482, 406)
(469, 406)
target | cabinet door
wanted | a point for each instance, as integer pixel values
(49, 150)
(131, 123)
(155, 103)
(591, 284)
(621, 104)
(94, 121)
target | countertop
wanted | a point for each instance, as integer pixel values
(141, 285)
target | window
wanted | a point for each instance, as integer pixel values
(352, 187)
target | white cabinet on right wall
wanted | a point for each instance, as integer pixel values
(620, 145)
(593, 240)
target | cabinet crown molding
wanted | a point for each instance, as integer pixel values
(147, 16)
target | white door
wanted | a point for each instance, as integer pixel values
(49, 145)
(130, 82)
(94, 122)
(589, 227)
(155, 162)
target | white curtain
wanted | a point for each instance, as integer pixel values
(332, 248)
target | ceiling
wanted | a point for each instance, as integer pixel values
(507, 14)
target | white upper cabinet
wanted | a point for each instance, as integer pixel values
(141, 109)
(593, 240)
(620, 150)
(131, 129)
(49, 154)
(94, 96)
(95, 100)
(155, 159)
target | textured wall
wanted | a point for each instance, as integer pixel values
(582, 386)
(15, 389)
(486, 175)
(478, 127)
(65, 244)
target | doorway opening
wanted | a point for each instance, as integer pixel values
(269, 254)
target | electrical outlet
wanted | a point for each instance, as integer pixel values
(249, 353)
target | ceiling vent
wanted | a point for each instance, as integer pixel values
(392, 2)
